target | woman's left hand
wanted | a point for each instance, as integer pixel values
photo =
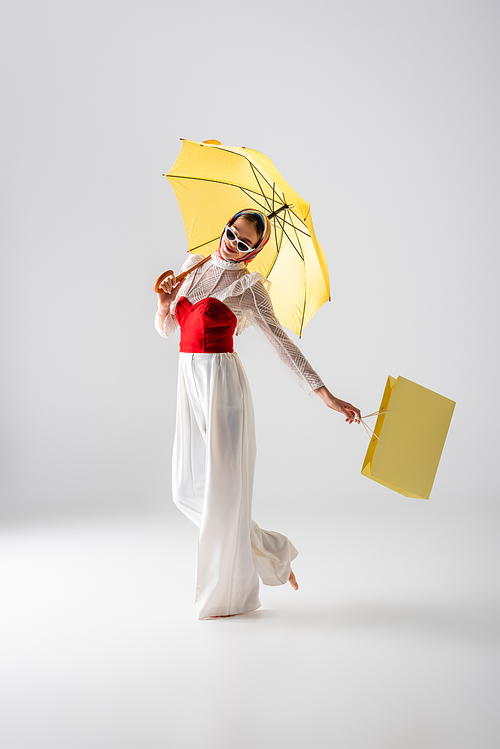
(350, 412)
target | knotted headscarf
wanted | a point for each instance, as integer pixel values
(266, 225)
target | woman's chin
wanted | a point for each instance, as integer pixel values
(230, 255)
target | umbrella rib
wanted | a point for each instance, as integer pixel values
(244, 189)
(277, 241)
(254, 169)
(197, 247)
(305, 284)
(255, 173)
(298, 238)
(278, 248)
(302, 231)
(282, 223)
(300, 254)
(303, 310)
(302, 220)
(217, 181)
(242, 156)
(203, 244)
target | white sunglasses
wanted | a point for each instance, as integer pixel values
(231, 237)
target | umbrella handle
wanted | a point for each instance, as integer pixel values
(158, 281)
(180, 277)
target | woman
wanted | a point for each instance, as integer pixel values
(214, 446)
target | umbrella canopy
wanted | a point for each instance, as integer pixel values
(213, 182)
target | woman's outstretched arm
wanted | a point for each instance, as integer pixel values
(256, 305)
(350, 412)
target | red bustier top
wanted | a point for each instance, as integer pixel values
(207, 327)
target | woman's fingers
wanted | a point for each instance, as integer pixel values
(168, 284)
(352, 413)
(347, 409)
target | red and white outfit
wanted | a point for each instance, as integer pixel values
(214, 447)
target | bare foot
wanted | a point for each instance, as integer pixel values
(293, 582)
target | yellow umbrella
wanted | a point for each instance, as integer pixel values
(213, 182)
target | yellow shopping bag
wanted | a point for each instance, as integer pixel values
(408, 438)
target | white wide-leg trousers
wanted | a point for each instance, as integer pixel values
(212, 482)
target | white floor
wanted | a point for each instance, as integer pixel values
(391, 641)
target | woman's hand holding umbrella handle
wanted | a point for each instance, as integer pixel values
(164, 276)
(167, 287)
(165, 282)
(167, 290)
(350, 412)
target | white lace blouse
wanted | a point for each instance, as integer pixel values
(247, 297)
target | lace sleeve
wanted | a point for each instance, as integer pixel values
(170, 324)
(256, 305)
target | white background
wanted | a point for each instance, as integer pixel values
(385, 117)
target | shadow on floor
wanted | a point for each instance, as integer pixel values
(481, 625)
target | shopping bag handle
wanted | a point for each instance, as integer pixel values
(367, 428)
